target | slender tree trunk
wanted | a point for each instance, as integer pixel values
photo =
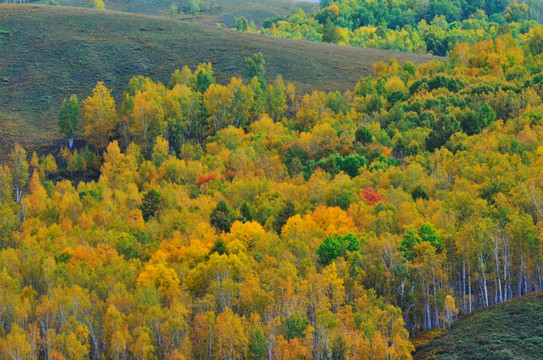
(498, 277)
(506, 275)
(538, 277)
(469, 290)
(464, 285)
(485, 287)
(520, 275)
(526, 291)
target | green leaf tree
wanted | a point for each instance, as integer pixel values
(363, 135)
(150, 204)
(335, 246)
(222, 217)
(287, 211)
(204, 77)
(68, 118)
(194, 6)
(255, 67)
(426, 233)
(246, 212)
(257, 346)
(241, 23)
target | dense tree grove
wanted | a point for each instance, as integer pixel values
(238, 221)
(419, 26)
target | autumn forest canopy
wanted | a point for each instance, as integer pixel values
(199, 219)
(418, 26)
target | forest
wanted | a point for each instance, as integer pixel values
(417, 26)
(244, 220)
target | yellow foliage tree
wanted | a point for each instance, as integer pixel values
(99, 117)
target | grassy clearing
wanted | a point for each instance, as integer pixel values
(50, 52)
(512, 330)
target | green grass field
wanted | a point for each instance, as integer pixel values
(50, 52)
(512, 330)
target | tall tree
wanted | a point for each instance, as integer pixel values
(150, 204)
(19, 170)
(99, 117)
(217, 102)
(204, 77)
(68, 118)
(147, 118)
(231, 340)
(276, 101)
(256, 349)
(287, 211)
(255, 67)
(222, 217)
(16, 346)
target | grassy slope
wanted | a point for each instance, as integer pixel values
(512, 330)
(257, 11)
(224, 12)
(49, 53)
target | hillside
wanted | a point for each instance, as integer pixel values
(223, 12)
(508, 331)
(49, 53)
(256, 11)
